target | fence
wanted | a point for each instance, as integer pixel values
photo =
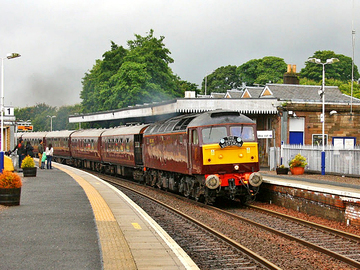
(339, 161)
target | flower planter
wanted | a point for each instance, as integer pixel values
(282, 170)
(29, 172)
(10, 196)
(297, 170)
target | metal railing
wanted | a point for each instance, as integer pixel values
(338, 161)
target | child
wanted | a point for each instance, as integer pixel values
(43, 158)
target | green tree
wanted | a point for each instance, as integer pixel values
(262, 71)
(38, 115)
(338, 71)
(187, 86)
(137, 75)
(221, 80)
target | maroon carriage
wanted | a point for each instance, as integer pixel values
(34, 138)
(122, 149)
(86, 148)
(60, 141)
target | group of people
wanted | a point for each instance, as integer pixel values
(28, 150)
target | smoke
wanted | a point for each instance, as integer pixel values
(59, 88)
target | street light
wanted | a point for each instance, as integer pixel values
(51, 117)
(322, 95)
(9, 56)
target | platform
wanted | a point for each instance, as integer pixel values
(328, 199)
(69, 219)
(335, 188)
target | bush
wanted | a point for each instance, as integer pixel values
(10, 180)
(28, 162)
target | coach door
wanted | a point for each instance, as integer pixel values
(138, 149)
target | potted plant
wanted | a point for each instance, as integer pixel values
(297, 164)
(28, 166)
(282, 169)
(10, 188)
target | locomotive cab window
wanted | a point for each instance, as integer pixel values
(213, 134)
(245, 132)
(248, 134)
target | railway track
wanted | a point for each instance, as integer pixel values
(208, 248)
(337, 244)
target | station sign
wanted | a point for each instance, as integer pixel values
(25, 128)
(265, 134)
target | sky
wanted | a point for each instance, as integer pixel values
(59, 41)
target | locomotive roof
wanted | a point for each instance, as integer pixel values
(181, 123)
(220, 117)
(59, 134)
(124, 130)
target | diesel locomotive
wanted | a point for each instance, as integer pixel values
(203, 156)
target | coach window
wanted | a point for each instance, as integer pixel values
(195, 137)
(121, 145)
(127, 145)
(116, 145)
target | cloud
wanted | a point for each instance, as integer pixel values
(60, 41)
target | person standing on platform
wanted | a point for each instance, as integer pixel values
(21, 151)
(29, 149)
(40, 153)
(49, 154)
(43, 159)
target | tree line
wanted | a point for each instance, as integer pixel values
(140, 73)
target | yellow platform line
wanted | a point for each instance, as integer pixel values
(116, 253)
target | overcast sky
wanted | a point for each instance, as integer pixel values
(59, 41)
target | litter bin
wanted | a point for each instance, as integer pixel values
(14, 158)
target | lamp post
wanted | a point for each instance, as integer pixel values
(9, 56)
(322, 95)
(51, 117)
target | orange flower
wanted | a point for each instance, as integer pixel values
(10, 180)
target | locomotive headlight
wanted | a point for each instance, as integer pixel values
(212, 181)
(236, 167)
(241, 155)
(255, 179)
(220, 156)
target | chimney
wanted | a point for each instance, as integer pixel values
(291, 77)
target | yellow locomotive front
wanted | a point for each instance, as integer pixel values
(230, 159)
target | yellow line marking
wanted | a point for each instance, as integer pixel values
(116, 253)
(136, 226)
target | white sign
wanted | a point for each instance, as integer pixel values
(264, 134)
(8, 111)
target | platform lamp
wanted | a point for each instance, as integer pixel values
(51, 118)
(9, 56)
(322, 95)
